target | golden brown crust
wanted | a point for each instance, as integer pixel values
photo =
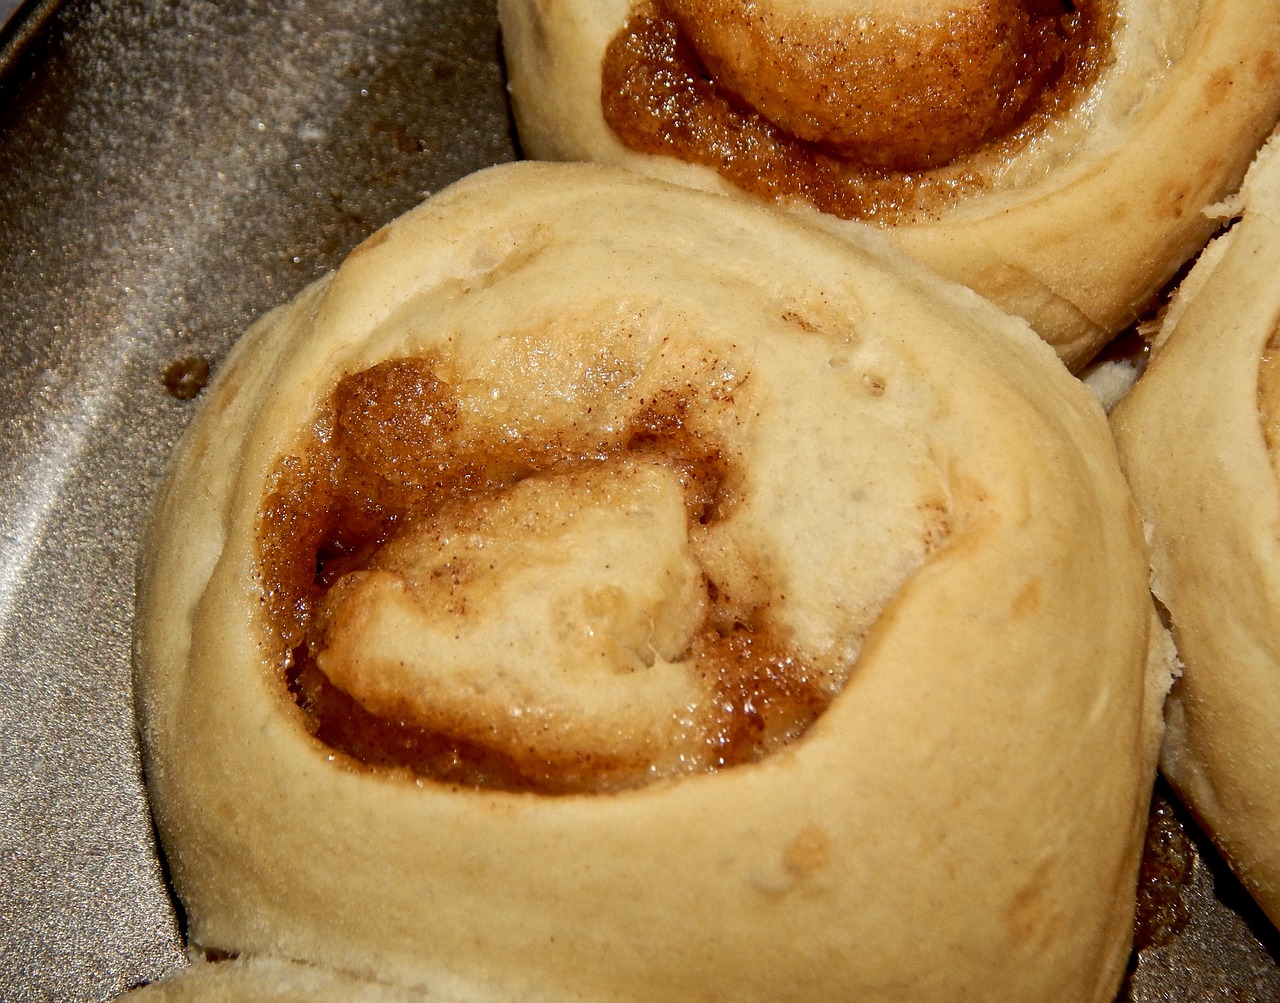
(963, 819)
(1196, 439)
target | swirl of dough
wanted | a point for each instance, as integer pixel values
(1054, 156)
(597, 584)
(1199, 438)
(892, 85)
(579, 602)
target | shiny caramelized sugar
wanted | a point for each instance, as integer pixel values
(388, 468)
(864, 120)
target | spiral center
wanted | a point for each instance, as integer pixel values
(547, 619)
(853, 110)
(897, 87)
(520, 611)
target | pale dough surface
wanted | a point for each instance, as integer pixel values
(266, 980)
(1076, 232)
(1197, 438)
(932, 511)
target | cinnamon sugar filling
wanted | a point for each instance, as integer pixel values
(390, 469)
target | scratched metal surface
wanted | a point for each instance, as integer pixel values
(167, 172)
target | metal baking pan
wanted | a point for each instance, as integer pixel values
(168, 171)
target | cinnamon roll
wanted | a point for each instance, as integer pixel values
(1053, 155)
(1199, 437)
(598, 588)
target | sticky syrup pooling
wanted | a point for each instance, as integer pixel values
(865, 121)
(394, 496)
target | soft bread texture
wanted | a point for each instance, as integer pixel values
(916, 500)
(1198, 439)
(1074, 224)
(266, 980)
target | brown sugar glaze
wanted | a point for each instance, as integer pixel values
(388, 449)
(659, 97)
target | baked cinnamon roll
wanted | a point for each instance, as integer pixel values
(1199, 437)
(598, 588)
(1053, 155)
